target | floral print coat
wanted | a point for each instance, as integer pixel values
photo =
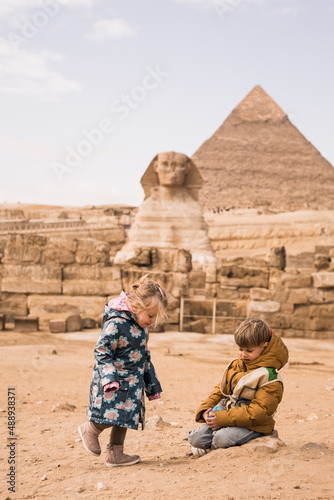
(121, 356)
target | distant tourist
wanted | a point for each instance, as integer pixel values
(123, 369)
(242, 405)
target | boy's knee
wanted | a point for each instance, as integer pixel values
(221, 440)
(232, 436)
(200, 438)
(193, 439)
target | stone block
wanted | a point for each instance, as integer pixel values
(287, 308)
(228, 293)
(320, 295)
(57, 256)
(89, 287)
(310, 334)
(275, 278)
(211, 290)
(195, 308)
(23, 248)
(13, 304)
(323, 280)
(244, 293)
(180, 280)
(60, 250)
(89, 323)
(300, 319)
(299, 261)
(60, 306)
(322, 317)
(259, 261)
(227, 326)
(197, 279)
(74, 323)
(298, 296)
(324, 249)
(57, 325)
(321, 262)
(172, 260)
(231, 309)
(130, 276)
(210, 274)
(91, 251)
(259, 279)
(294, 333)
(264, 306)
(26, 324)
(277, 258)
(234, 271)
(259, 294)
(31, 279)
(280, 294)
(142, 257)
(174, 316)
(277, 321)
(182, 262)
(2, 321)
(296, 280)
(95, 272)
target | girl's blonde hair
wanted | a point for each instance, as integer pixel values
(252, 332)
(147, 294)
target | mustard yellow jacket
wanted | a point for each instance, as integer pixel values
(250, 393)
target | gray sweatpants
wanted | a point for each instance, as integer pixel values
(205, 438)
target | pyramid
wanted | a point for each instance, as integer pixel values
(258, 159)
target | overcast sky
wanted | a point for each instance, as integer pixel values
(92, 90)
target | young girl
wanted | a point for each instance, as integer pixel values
(123, 368)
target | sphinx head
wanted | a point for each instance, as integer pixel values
(171, 169)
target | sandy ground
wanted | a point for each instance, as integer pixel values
(49, 370)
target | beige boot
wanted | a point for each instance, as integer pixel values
(90, 437)
(116, 458)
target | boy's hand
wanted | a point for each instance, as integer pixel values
(205, 415)
(212, 423)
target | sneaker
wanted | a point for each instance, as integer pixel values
(199, 452)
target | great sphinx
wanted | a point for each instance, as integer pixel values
(170, 215)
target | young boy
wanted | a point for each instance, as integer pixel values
(242, 406)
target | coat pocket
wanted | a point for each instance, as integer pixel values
(122, 395)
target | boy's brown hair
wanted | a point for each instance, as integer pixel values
(252, 332)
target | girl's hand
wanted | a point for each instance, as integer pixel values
(155, 396)
(112, 387)
(205, 415)
(212, 423)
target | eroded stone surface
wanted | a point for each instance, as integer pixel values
(170, 216)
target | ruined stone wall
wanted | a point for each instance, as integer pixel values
(280, 269)
(52, 277)
(294, 294)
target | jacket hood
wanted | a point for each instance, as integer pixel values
(275, 355)
(110, 312)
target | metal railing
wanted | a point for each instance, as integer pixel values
(213, 316)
